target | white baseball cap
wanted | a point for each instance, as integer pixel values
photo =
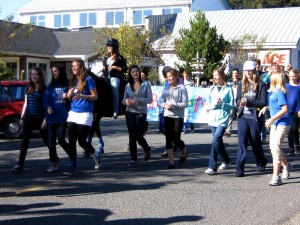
(249, 65)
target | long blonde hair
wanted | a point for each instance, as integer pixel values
(277, 82)
(245, 82)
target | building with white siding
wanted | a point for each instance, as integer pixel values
(100, 13)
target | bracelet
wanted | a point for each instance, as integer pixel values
(88, 97)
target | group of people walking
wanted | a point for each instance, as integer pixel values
(67, 106)
(254, 98)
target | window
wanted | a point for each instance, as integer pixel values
(13, 67)
(87, 19)
(17, 93)
(139, 16)
(166, 11)
(172, 10)
(33, 20)
(38, 20)
(62, 20)
(119, 17)
(177, 10)
(92, 19)
(114, 18)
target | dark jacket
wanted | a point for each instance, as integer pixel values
(254, 105)
(104, 104)
(119, 62)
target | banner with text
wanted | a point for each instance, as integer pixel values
(194, 113)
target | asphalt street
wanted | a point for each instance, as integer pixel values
(147, 194)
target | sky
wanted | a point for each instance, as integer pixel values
(8, 6)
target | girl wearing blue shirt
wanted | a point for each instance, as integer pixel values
(57, 107)
(293, 89)
(82, 93)
(33, 114)
(279, 123)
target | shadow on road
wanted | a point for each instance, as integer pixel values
(42, 214)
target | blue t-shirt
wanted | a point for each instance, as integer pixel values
(277, 99)
(294, 98)
(84, 105)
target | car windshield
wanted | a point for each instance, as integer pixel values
(12, 93)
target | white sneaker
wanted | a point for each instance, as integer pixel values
(53, 168)
(97, 159)
(286, 172)
(209, 171)
(275, 181)
(224, 166)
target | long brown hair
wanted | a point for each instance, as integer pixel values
(41, 81)
(82, 76)
(245, 82)
(221, 72)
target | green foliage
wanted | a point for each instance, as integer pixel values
(153, 76)
(132, 42)
(5, 72)
(238, 43)
(201, 38)
(246, 4)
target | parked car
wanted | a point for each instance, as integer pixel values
(12, 95)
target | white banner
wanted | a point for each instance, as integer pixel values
(194, 113)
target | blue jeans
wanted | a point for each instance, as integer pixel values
(248, 129)
(217, 147)
(115, 84)
(58, 130)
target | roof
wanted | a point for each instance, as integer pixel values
(76, 42)
(58, 42)
(59, 5)
(31, 45)
(280, 26)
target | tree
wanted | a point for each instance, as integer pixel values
(133, 43)
(202, 39)
(238, 47)
(11, 33)
(246, 4)
(5, 72)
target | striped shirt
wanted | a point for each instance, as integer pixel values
(35, 106)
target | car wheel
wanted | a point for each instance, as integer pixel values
(12, 128)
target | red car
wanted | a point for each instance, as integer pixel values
(12, 95)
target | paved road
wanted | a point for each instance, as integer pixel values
(146, 194)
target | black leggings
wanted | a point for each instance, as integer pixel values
(31, 123)
(95, 128)
(173, 129)
(80, 132)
